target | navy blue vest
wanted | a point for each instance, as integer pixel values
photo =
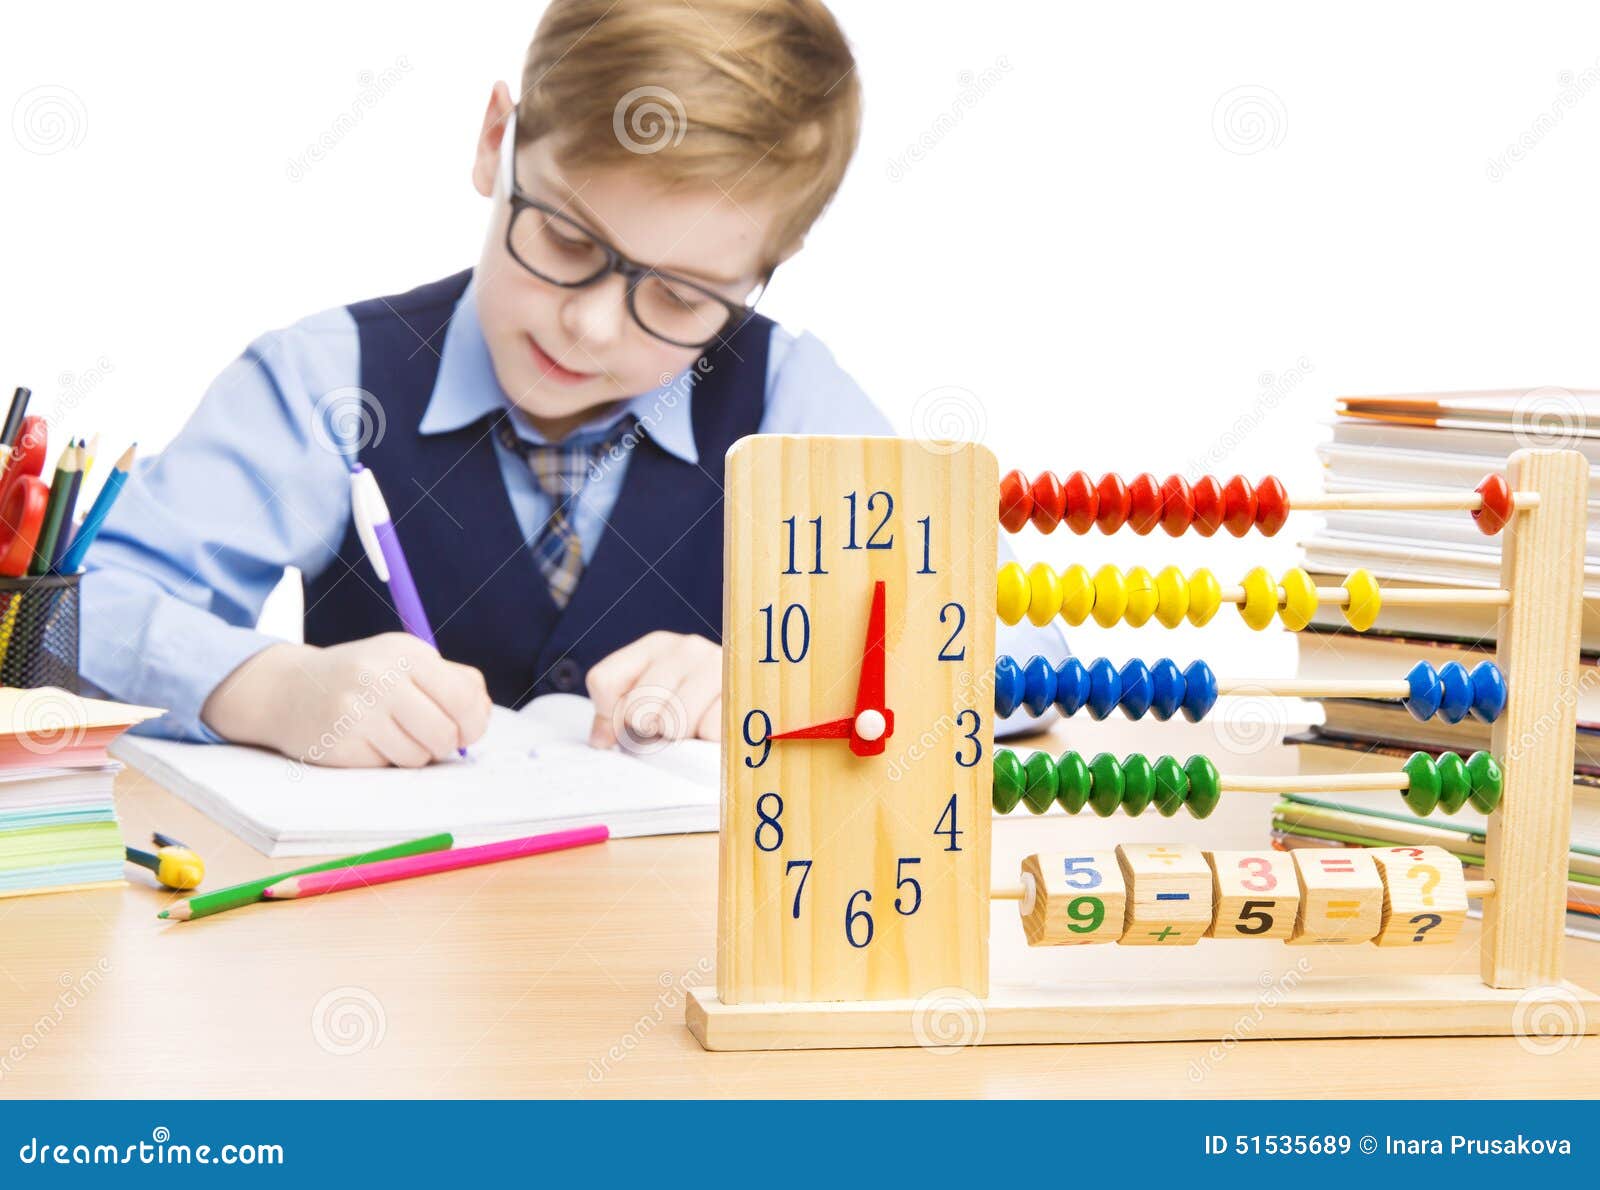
(659, 565)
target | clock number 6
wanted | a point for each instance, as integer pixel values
(852, 916)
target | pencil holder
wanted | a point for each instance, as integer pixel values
(39, 631)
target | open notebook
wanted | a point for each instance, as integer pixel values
(533, 771)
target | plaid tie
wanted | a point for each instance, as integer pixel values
(561, 470)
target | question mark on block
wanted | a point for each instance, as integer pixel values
(1432, 919)
(1413, 852)
(1429, 875)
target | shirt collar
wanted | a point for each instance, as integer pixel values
(467, 390)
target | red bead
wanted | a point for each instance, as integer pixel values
(1207, 496)
(1083, 502)
(1016, 505)
(1049, 503)
(1144, 503)
(1238, 506)
(1114, 503)
(1496, 510)
(1272, 505)
(1177, 506)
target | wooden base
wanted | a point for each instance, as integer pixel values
(1220, 1011)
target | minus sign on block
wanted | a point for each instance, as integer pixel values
(1172, 896)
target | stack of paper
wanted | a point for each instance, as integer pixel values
(58, 823)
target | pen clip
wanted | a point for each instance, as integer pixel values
(368, 508)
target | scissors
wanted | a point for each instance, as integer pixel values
(23, 498)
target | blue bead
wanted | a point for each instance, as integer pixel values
(1105, 688)
(1488, 691)
(1167, 681)
(1455, 700)
(1072, 686)
(1007, 685)
(1199, 691)
(1423, 700)
(1038, 685)
(1137, 689)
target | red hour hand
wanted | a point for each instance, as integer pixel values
(874, 721)
(834, 729)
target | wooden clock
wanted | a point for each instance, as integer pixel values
(858, 660)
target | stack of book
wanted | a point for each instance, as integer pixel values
(58, 822)
(1435, 443)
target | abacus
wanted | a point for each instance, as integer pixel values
(894, 922)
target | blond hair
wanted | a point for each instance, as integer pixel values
(758, 97)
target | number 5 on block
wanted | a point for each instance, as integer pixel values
(1072, 897)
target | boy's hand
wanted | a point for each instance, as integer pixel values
(385, 700)
(663, 687)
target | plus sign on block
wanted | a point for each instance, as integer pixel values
(1168, 894)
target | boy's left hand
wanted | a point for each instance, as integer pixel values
(664, 686)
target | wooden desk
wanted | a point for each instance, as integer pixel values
(563, 976)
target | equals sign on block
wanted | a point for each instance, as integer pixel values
(1338, 865)
(1344, 909)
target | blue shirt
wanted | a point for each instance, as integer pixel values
(257, 481)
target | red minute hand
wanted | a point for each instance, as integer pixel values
(834, 729)
(870, 694)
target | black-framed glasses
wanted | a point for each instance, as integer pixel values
(557, 248)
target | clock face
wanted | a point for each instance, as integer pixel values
(858, 662)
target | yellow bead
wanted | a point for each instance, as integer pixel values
(1077, 594)
(1141, 597)
(1172, 597)
(1011, 593)
(1044, 594)
(180, 868)
(1205, 597)
(1299, 600)
(1364, 602)
(1110, 596)
(1260, 598)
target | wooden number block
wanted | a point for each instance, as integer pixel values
(1169, 894)
(1257, 894)
(1341, 895)
(1072, 897)
(1424, 895)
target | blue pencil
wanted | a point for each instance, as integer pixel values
(72, 560)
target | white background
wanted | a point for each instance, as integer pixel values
(1155, 236)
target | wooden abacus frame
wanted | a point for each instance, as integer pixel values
(1528, 839)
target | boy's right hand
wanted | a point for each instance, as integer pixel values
(385, 700)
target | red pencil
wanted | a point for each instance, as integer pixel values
(316, 883)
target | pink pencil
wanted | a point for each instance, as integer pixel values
(384, 871)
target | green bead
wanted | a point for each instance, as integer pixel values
(1171, 786)
(1454, 787)
(1008, 780)
(1483, 771)
(1106, 794)
(1422, 790)
(1039, 773)
(1073, 782)
(1205, 786)
(1138, 784)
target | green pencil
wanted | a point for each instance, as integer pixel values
(250, 892)
(55, 509)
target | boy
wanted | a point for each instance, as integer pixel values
(548, 427)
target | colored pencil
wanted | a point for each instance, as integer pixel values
(44, 549)
(64, 537)
(94, 449)
(14, 415)
(72, 560)
(365, 875)
(250, 891)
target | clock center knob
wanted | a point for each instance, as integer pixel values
(870, 725)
